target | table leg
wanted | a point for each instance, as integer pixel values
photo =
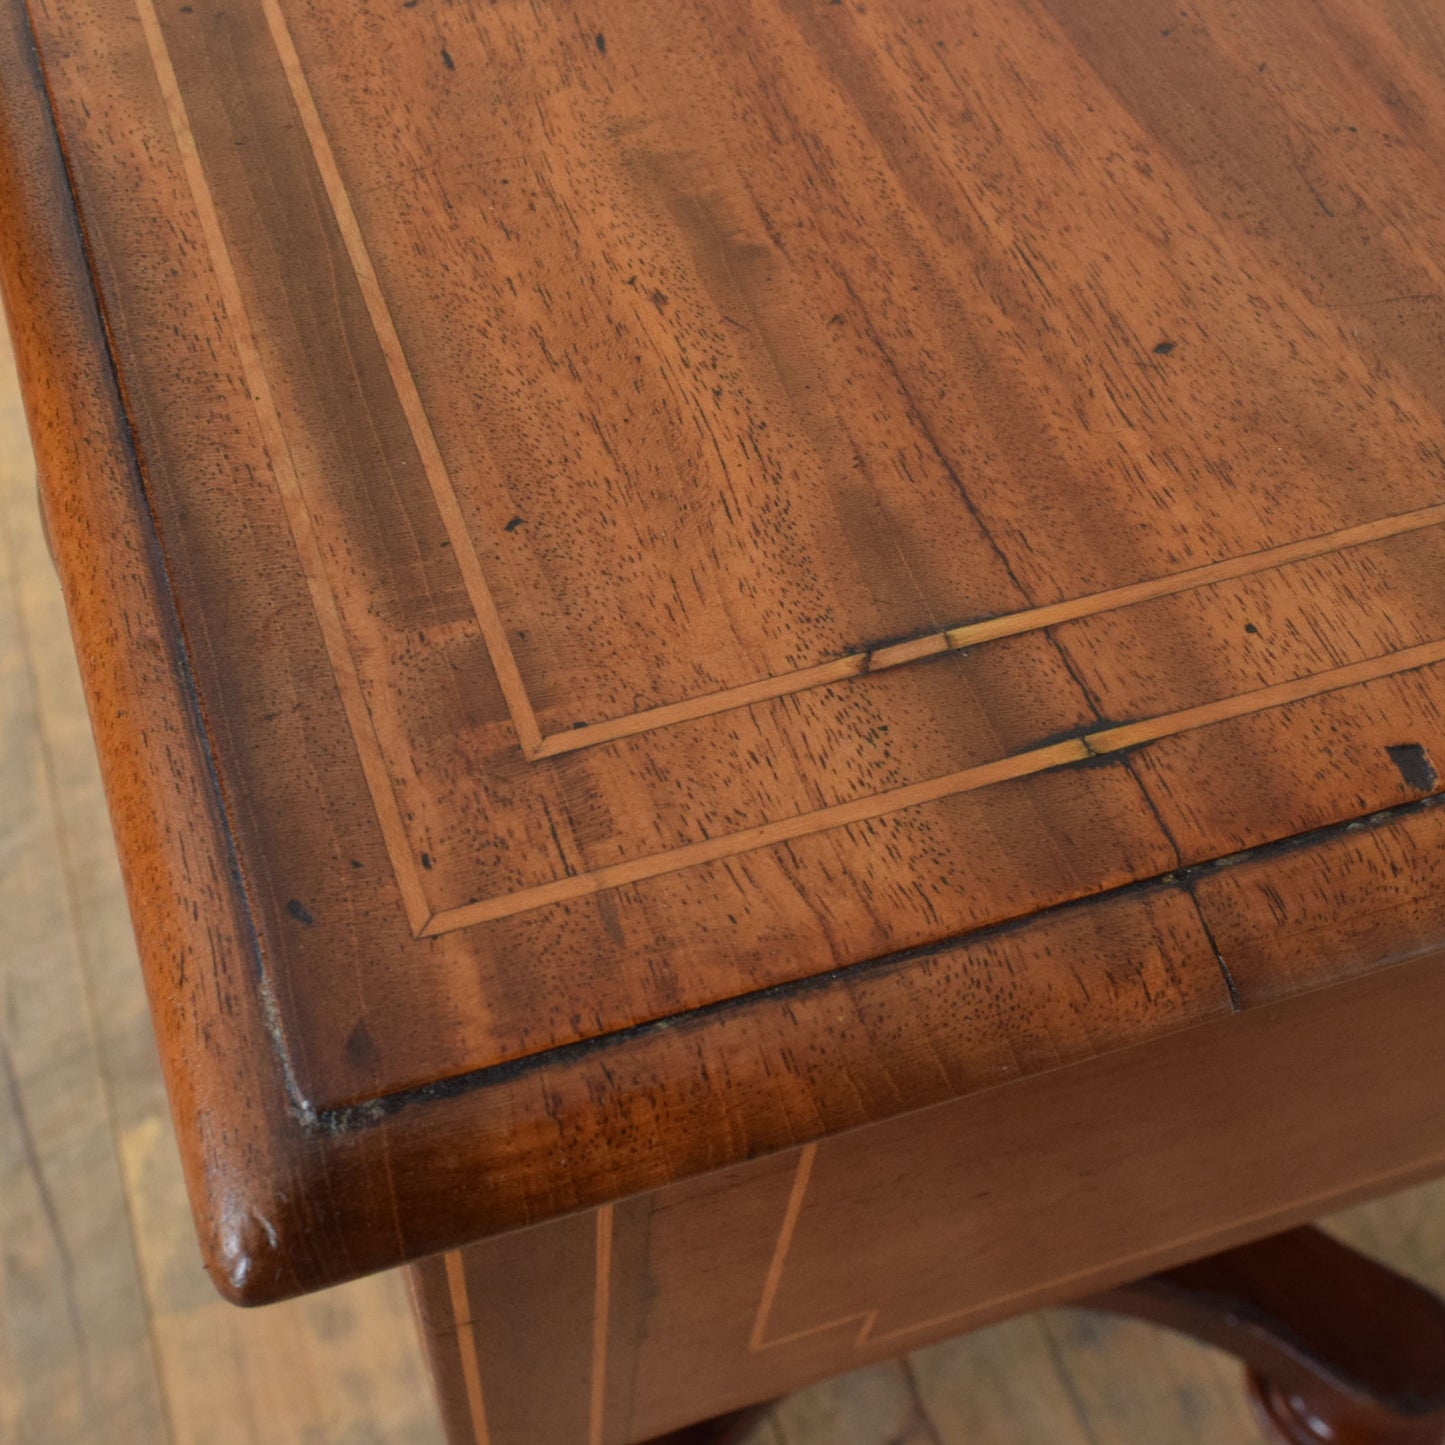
(1338, 1349)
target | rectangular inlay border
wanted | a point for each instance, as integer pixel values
(1071, 751)
(423, 919)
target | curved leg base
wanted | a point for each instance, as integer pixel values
(1339, 1349)
(1294, 1421)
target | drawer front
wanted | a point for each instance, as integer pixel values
(615, 1325)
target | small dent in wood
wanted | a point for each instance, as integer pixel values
(247, 1239)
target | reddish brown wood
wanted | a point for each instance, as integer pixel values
(1339, 1349)
(1062, 673)
(727, 1289)
(1298, 1420)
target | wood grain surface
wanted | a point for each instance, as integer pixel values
(659, 582)
(107, 1326)
(616, 1326)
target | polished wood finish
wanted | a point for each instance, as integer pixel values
(656, 589)
(1339, 1348)
(164, 1365)
(148, 1357)
(109, 1328)
(712, 1294)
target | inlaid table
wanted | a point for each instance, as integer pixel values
(771, 673)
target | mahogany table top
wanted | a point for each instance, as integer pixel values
(658, 580)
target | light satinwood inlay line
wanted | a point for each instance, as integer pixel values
(425, 922)
(537, 745)
(758, 1340)
(1069, 1287)
(467, 1346)
(601, 1312)
(494, 632)
(298, 515)
(931, 790)
(991, 629)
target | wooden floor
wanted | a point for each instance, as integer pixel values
(109, 1330)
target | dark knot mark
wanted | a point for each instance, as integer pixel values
(359, 1048)
(1414, 766)
(299, 912)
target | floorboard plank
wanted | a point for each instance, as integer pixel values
(1002, 1386)
(75, 1352)
(107, 1322)
(861, 1408)
(1133, 1382)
